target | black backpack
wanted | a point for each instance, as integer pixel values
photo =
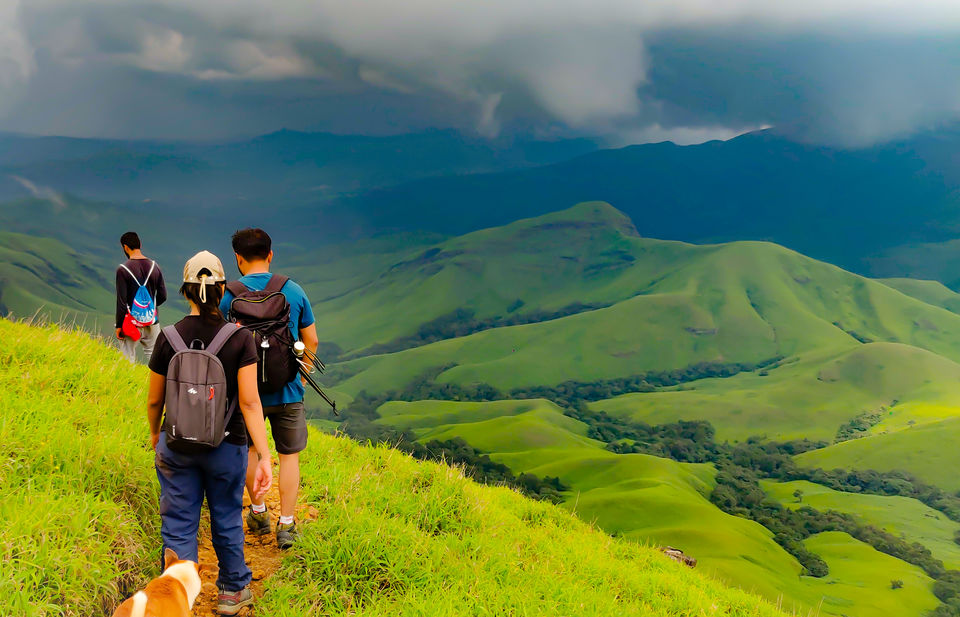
(197, 410)
(267, 315)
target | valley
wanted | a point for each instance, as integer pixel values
(668, 392)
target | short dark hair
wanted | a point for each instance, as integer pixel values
(251, 243)
(130, 239)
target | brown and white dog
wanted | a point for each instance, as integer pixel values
(170, 595)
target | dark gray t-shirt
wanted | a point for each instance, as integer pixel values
(240, 351)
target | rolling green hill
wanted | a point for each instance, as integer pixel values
(43, 275)
(394, 536)
(811, 397)
(654, 500)
(926, 450)
(898, 515)
(665, 305)
(808, 351)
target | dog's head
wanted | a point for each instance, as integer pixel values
(187, 572)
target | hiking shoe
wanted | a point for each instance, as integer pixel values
(258, 524)
(287, 535)
(230, 602)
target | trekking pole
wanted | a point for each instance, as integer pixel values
(300, 350)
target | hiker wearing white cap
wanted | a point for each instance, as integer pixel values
(203, 370)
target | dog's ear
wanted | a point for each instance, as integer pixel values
(169, 558)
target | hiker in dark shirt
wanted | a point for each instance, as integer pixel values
(137, 317)
(187, 474)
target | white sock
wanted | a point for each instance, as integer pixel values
(258, 509)
(286, 520)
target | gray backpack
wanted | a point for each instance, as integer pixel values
(196, 395)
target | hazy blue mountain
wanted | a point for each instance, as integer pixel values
(282, 168)
(833, 204)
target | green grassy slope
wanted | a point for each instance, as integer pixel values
(394, 536)
(900, 516)
(811, 397)
(42, 274)
(742, 302)
(648, 500)
(589, 254)
(860, 579)
(79, 506)
(926, 450)
(931, 292)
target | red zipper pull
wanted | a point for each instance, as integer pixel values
(211, 394)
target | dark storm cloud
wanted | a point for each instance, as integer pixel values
(845, 71)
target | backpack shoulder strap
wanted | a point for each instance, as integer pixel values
(276, 283)
(134, 276)
(236, 288)
(153, 265)
(226, 331)
(173, 337)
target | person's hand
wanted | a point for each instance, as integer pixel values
(119, 333)
(263, 478)
(154, 440)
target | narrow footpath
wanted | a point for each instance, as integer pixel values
(261, 553)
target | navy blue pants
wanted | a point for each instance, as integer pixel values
(185, 479)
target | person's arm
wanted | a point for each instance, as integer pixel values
(161, 287)
(253, 417)
(155, 396)
(309, 337)
(307, 328)
(121, 300)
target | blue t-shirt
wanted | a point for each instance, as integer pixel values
(301, 316)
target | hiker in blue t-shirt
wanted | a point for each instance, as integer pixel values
(284, 409)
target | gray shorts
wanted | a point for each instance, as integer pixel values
(288, 423)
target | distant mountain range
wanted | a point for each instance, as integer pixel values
(849, 207)
(280, 169)
(889, 210)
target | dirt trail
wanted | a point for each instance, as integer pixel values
(262, 554)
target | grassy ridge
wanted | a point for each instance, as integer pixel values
(925, 450)
(395, 536)
(860, 580)
(671, 305)
(398, 537)
(42, 274)
(811, 396)
(900, 516)
(653, 500)
(79, 509)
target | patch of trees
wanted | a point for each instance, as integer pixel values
(738, 492)
(570, 393)
(859, 425)
(947, 590)
(476, 465)
(463, 322)
(888, 483)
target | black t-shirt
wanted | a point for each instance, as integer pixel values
(127, 287)
(240, 351)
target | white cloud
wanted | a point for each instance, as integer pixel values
(683, 135)
(16, 55)
(42, 192)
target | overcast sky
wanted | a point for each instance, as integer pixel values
(830, 71)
